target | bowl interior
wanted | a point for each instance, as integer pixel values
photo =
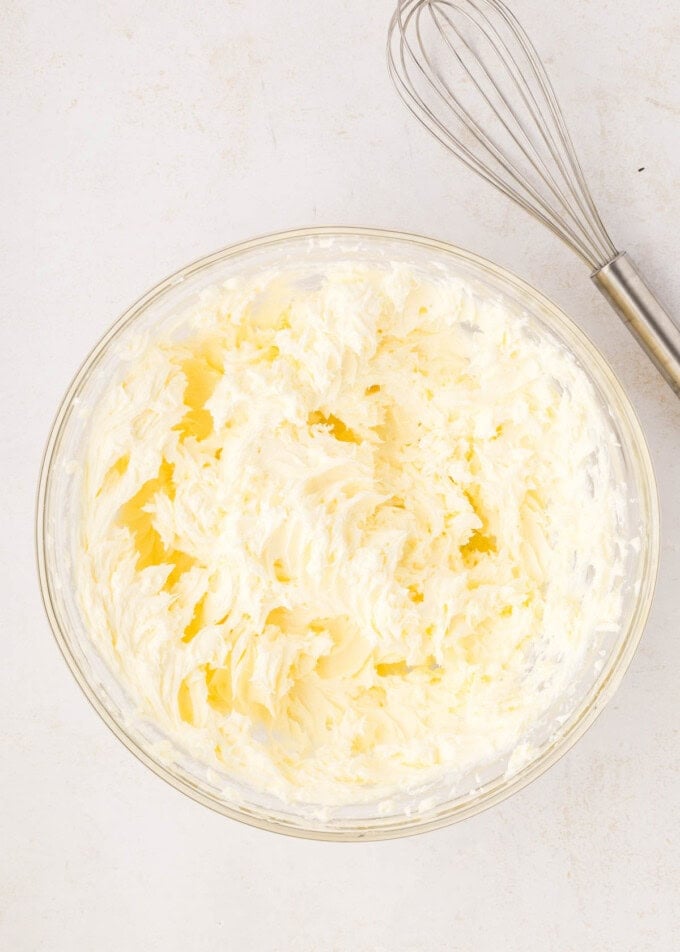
(163, 311)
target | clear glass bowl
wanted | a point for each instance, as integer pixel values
(57, 539)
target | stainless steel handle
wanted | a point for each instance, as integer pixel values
(628, 293)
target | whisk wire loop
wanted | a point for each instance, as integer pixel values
(468, 72)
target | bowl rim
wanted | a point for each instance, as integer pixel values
(603, 690)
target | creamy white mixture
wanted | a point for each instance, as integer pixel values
(350, 533)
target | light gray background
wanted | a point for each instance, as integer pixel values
(140, 136)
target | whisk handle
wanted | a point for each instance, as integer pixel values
(637, 306)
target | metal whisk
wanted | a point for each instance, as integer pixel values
(467, 70)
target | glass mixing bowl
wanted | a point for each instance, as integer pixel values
(57, 540)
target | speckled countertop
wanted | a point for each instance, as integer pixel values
(140, 136)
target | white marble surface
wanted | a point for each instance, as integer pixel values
(140, 136)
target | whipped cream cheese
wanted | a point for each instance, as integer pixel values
(344, 534)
